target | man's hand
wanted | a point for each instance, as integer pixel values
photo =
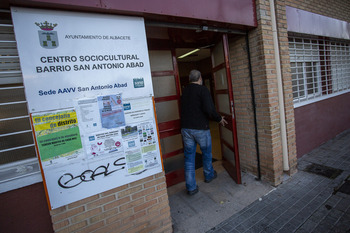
(223, 122)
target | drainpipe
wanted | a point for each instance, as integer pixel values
(280, 88)
(254, 106)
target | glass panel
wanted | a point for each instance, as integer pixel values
(226, 135)
(174, 163)
(223, 103)
(164, 86)
(12, 95)
(13, 110)
(7, 37)
(218, 54)
(167, 111)
(228, 154)
(160, 60)
(11, 78)
(16, 140)
(16, 155)
(170, 144)
(14, 125)
(220, 79)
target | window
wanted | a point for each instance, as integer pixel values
(340, 65)
(320, 68)
(17, 150)
(305, 80)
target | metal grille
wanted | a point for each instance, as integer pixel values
(319, 67)
(16, 140)
(340, 65)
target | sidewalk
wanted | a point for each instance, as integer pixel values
(316, 199)
(214, 202)
(307, 202)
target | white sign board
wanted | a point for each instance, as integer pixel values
(89, 90)
(67, 55)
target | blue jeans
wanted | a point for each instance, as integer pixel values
(190, 139)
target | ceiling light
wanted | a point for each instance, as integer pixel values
(189, 53)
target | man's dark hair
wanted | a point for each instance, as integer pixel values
(194, 76)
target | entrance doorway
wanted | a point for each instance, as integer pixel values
(170, 75)
(200, 60)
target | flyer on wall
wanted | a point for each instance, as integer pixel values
(103, 144)
(89, 116)
(140, 147)
(111, 111)
(58, 137)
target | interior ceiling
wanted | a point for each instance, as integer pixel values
(192, 38)
(187, 40)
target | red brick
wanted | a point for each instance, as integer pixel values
(131, 204)
(143, 193)
(73, 228)
(154, 182)
(117, 203)
(119, 217)
(145, 205)
(83, 201)
(91, 227)
(86, 214)
(104, 215)
(156, 194)
(114, 191)
(135, 183)
(129, 191)
(100, 202)
(58, 210)
(61, 224)
(133, 217)
(68, 214)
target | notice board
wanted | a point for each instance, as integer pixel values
(89, 90)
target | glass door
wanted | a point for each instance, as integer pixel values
(225, 106)
(166, 88)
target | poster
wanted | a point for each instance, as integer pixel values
(58, 137)
(103, 143)
(111, 111)
(89, 90)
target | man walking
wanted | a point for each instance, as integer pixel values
(197, 108)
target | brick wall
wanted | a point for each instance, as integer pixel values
(265, 85)
(141, 206)
(266, 94)
(243, 104)
(338, 9)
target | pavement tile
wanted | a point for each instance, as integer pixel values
(341, 226)
(228, 227)
(336, 214)
(288, 228)
(308, 226)
(242, 228)
(299, 219)
(306, 202)
(269, 229)
(343, 204)
(323, 227)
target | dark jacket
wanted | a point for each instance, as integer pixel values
(197, 107)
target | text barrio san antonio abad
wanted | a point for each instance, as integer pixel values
(88, 62)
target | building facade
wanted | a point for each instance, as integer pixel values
(278, 69)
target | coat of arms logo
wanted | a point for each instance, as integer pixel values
(47, 37)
